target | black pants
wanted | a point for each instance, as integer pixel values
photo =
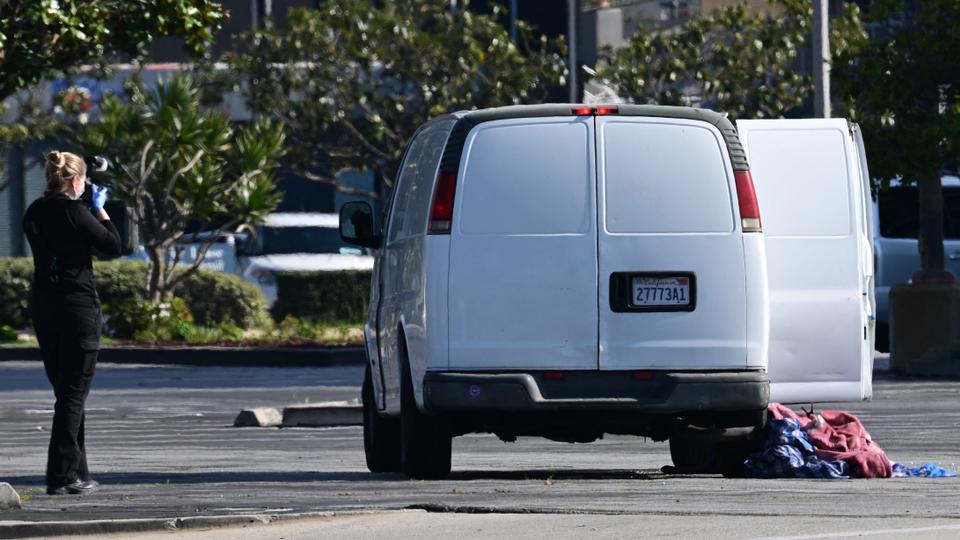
(69, 337)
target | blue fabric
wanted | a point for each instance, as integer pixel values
(928, 470)
(787, 453)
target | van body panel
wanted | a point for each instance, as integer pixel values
(523, 247)
(403, 259)
(758, 300)
(812, 203)
(668, 207)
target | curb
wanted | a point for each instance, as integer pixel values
(207, 356)
(33, 529)
(324, 414)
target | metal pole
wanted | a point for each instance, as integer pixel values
(573, 7)
(513, 21)
(821, 59)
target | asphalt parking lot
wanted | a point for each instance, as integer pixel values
(160, 441)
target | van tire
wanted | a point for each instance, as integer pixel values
(426, 444)
(697, 450)
(381, 434)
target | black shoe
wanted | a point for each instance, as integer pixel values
(77, 487)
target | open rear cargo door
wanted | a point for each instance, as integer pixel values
(815, 208)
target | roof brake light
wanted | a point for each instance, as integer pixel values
(583, 111)
(603, 110)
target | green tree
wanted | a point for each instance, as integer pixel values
(44, 39)
(731, 60)
(177, 164)
(353, 80)
(903, 87)
(41, 38)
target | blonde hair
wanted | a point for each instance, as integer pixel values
(61, 167)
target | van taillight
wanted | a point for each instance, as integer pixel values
(747, 197)
(442, 213)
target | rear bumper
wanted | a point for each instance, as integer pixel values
(655, 392)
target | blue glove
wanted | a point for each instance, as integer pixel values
(99, 196)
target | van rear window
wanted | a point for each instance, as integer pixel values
(664, 178)
(527, 178)
(899, 212)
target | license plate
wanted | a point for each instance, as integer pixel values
(660, 291)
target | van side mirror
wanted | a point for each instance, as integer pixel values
(356, 225)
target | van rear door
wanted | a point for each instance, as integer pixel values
(815, 208)
(523, 247)
(672, 276)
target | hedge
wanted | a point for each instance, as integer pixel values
(212, 297)
(326, 297)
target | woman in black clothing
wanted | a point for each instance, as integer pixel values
(62, 231)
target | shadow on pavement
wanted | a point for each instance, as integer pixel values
(564, 474)
(186, 478)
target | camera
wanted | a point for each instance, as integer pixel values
(96, 165)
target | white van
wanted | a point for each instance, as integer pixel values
(567, 271)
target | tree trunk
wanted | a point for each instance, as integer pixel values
(930, 232)
(158, 262)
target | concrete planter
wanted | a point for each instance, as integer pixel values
(924, 317)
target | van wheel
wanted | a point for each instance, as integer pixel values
(425, 441)
(698, 450)
(381, 434)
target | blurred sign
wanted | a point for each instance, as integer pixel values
(220, 257)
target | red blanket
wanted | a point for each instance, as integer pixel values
(837, 435)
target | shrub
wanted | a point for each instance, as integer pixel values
(138, 318)
(327, 297)
(15, 278)
(211, 297)
(292, 330)
(216, 297)
(7, 334)
(119, 280)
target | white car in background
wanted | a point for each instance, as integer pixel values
(896, 220)
(295, 242)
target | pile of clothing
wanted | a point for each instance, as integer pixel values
(829, 444)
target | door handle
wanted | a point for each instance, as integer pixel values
(954, 256)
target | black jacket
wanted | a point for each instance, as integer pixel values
(62, 234)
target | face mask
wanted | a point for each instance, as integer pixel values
(83, 186)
